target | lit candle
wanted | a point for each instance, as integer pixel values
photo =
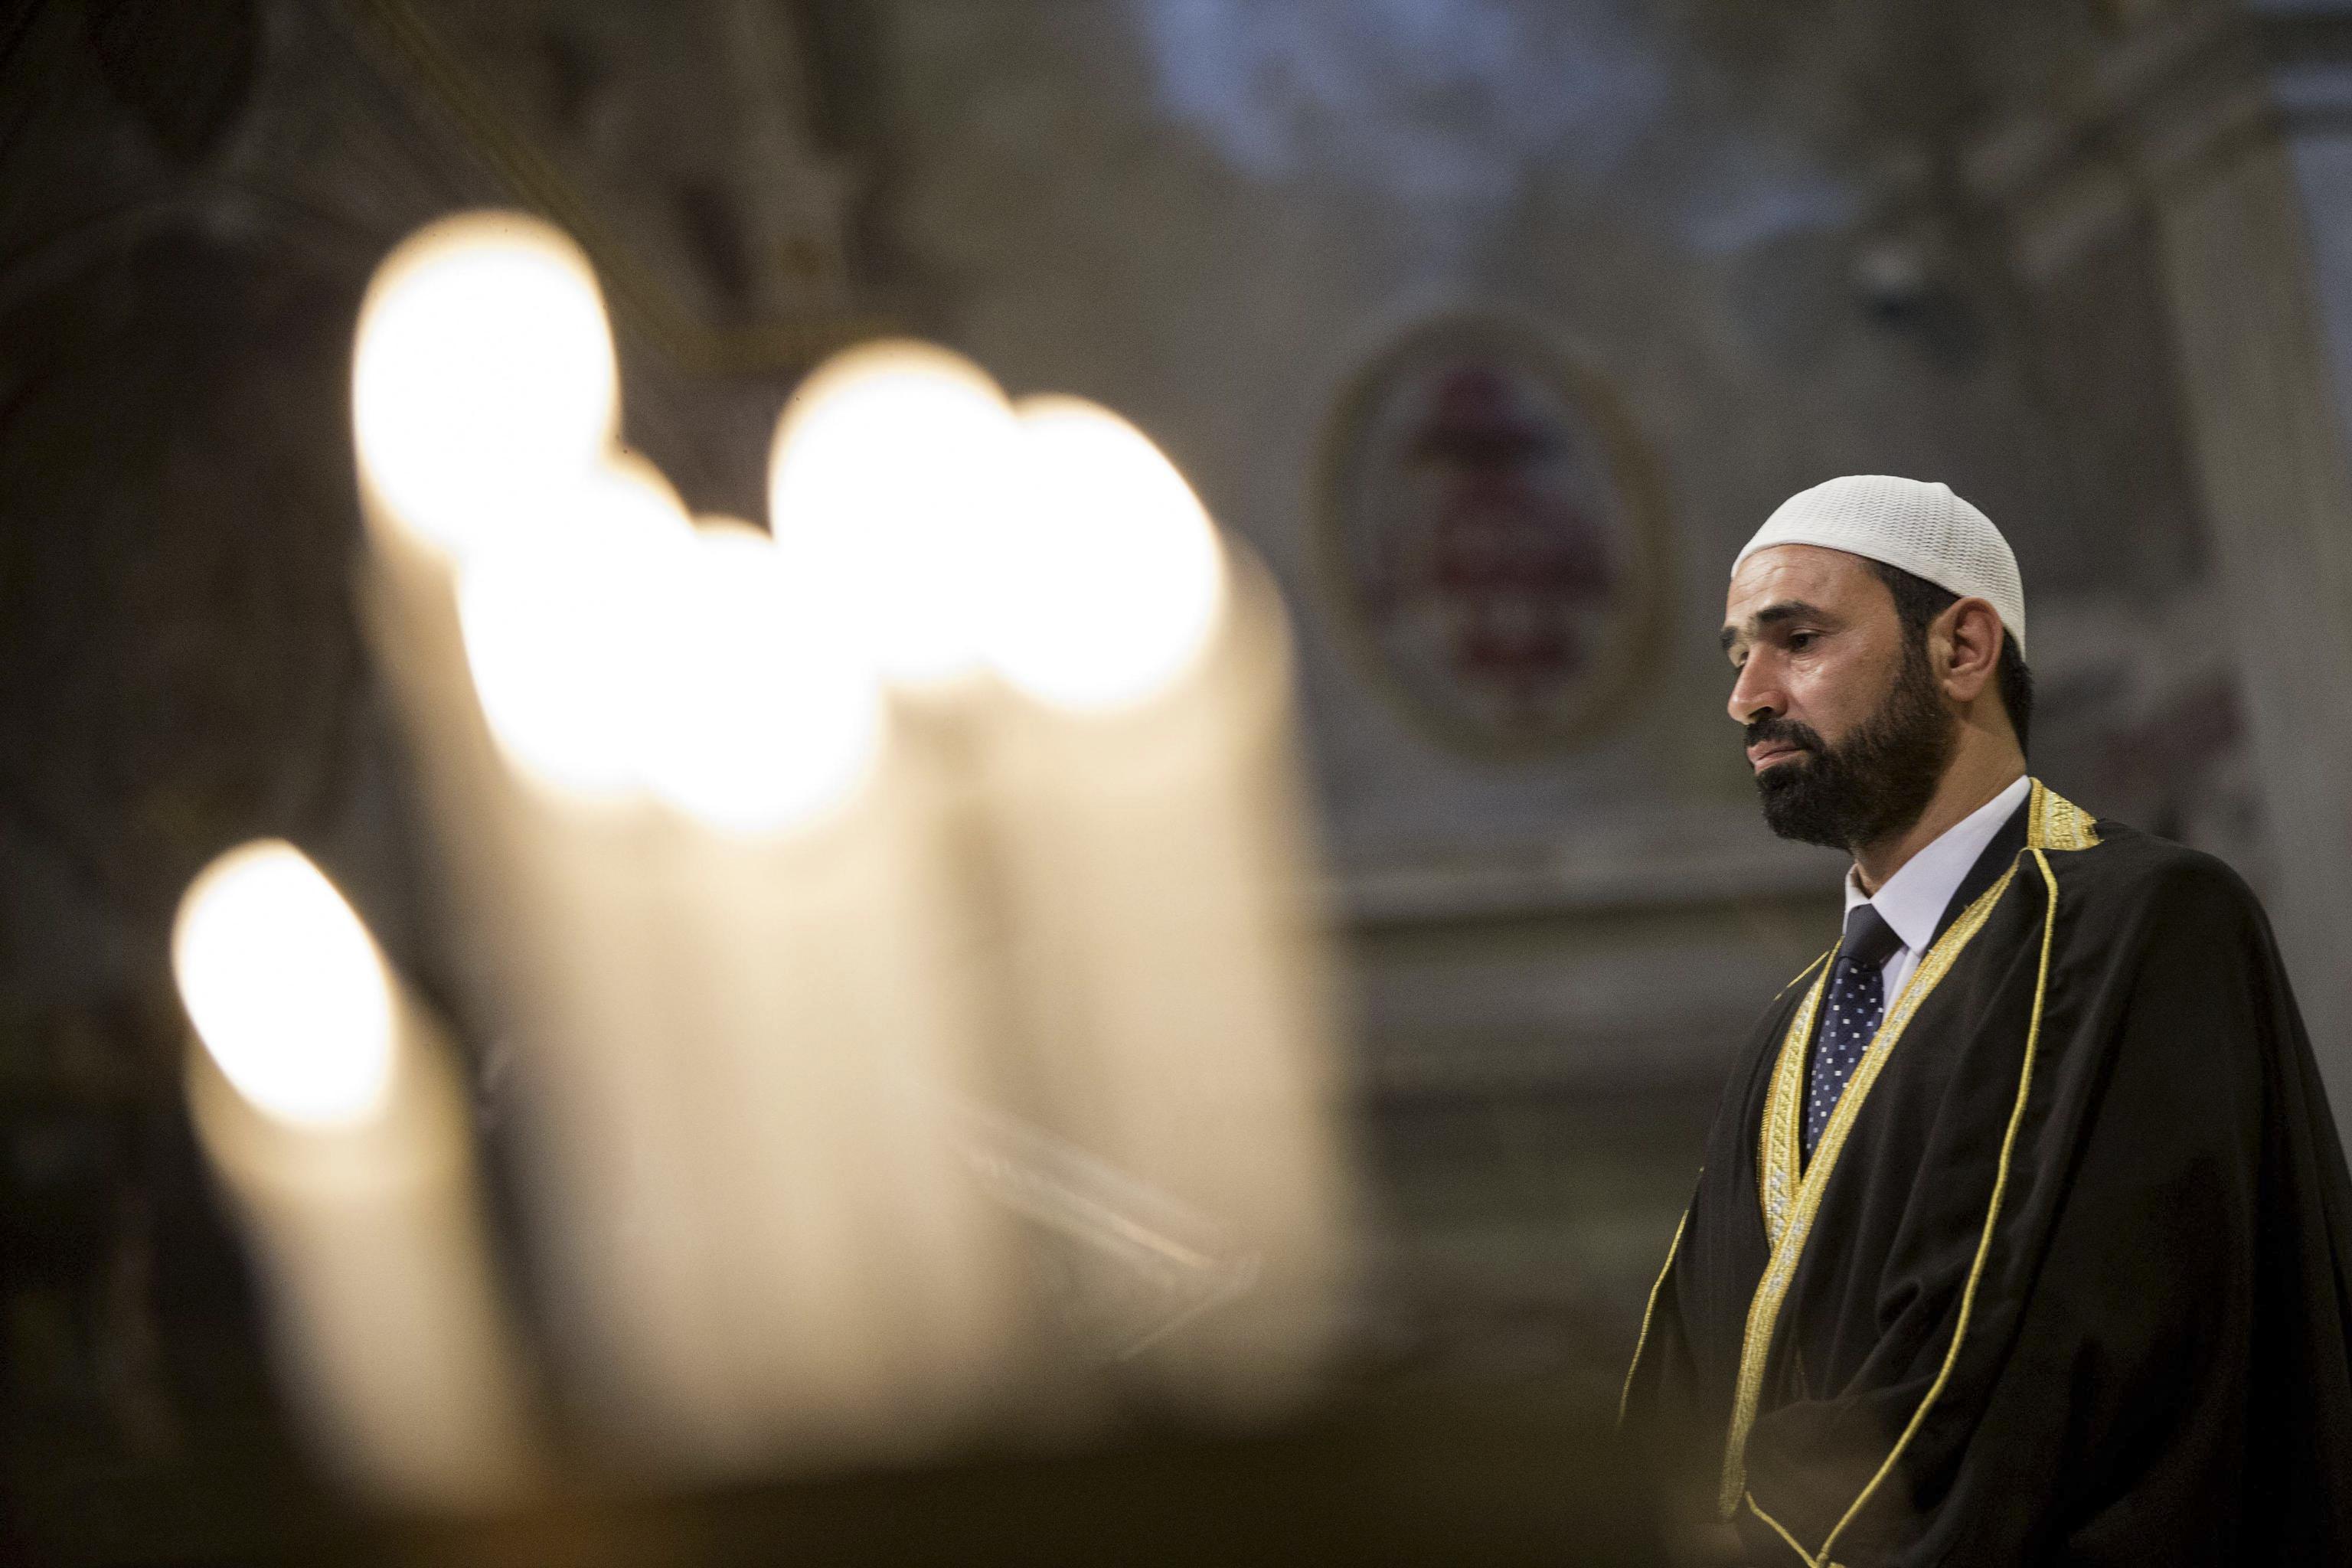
(565, 638)
(333, 1116)
(1144, 785)
(875, 1283)
(772, 732)
(890, 468)
(511, 548)
(484, 394)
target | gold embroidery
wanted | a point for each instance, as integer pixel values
(1800, 980)
(1777, 1149)
(2058, 823)
(1992, 1209)
(2053, 822)
(1642, 1338)
(1764, 1309)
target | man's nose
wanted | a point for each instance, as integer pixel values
(1754, 694)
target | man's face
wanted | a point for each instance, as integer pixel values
(1846, 729)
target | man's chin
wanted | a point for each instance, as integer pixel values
(1790, 772)
(1792, 794)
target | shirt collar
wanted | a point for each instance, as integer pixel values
(1914, 900)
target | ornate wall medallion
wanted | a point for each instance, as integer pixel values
(1492, 535)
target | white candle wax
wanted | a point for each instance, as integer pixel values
(826, 1004)
(566, 628)
(327, 1104)
(1156, 858)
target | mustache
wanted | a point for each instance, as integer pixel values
(1775, 730)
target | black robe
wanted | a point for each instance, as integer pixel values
(2072, 1281)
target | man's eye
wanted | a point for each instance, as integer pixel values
(1799, 641)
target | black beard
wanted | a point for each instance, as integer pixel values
(1873, 785)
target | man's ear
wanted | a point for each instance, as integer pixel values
(1968, 636)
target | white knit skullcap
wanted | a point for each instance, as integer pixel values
(1923, 529)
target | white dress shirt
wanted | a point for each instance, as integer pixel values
(1916, 897)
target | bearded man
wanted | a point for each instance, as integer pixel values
(2024, 1234)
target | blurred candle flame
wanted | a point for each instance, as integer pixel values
(1111, 579)
(484, 371)
(892, 463)
(769, 713)
(285, 987)
(563, 631)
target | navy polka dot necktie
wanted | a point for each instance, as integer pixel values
(1854, 1002)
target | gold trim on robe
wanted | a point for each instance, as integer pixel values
(1626, 1393)
(1790, 1192)
(1992, 1214)
(1642, 1340)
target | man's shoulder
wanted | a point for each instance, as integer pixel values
(2127, 867)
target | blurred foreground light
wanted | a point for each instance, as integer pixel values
(285, 987)
(483, 371)
(561, 618)
(769, 711)
(1111, 581)
(892, 460)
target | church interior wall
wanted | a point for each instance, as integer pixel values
(1211, 217)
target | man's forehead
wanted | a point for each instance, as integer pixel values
(1813, 573)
